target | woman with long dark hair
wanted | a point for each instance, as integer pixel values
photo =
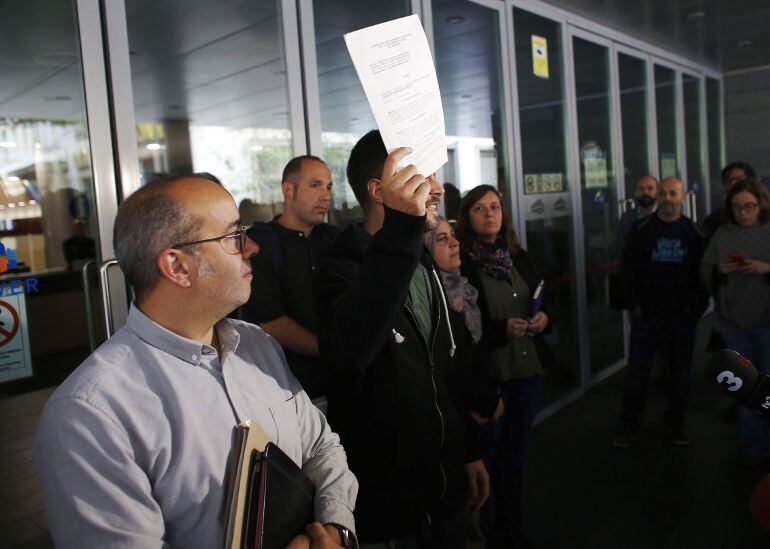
(512, 330)
(736, 270)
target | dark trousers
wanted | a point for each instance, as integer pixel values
(505, 444)
(673, 339)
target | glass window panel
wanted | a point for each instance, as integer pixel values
(48, 217)
(467, 46)
(210, 94)
(666, 117)
(714, 124)
(633, 116)
(545, 199)
(345, 112)
(693, 139)
(598, 191)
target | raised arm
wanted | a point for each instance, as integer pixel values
(361, 298)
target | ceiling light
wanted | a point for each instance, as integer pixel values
(743, 44)
(7, 144)
(11, 205)
(256, 148)
(466, 96)
(32, 202)
(153, 146)
(455, 19)
(13, 178)
(22, 203)
(695, 15)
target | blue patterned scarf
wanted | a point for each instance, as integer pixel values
(492, 259)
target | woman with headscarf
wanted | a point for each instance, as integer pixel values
(469, 386)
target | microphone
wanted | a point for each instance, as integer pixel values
(735, 376)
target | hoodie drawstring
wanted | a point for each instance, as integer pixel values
(446, 311)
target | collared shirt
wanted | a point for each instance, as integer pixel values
(282, 285)
(133, 449)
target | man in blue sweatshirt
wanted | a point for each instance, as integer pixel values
(666, 299)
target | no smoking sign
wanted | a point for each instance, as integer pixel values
(9, 322)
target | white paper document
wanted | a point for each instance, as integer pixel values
(395, 66)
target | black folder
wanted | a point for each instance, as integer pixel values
(269, 498)
(280, 500)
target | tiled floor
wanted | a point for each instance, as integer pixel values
(22, 520)
(581, 492)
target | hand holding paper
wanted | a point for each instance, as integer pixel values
(403, 189)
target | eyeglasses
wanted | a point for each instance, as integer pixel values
(748, 208)
(232, 243)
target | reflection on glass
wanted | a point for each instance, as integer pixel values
(665, 112)
(47, 207)
(599, 199)
(214, 99)
(693, 139)
(467, 49)
(546, 202)
(345, 113)
(714, 125)
(633, 117)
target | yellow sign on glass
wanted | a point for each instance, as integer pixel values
(540, 56)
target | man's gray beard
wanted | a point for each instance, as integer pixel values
(669, 209)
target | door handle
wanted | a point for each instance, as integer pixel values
(692, 206)
(106, 300)
(89, 305)
(627, 204)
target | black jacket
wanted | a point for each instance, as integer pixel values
(389, 399)
(495, 331)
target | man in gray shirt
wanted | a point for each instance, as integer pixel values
(133, 448)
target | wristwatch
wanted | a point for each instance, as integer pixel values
(348, 538)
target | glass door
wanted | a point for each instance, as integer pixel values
(715, 142)
(214, 87)
(56, 205)
(667, 120)
(469, 64)
(598, 197)
(635, 120)
(545, 202)
(695, 142)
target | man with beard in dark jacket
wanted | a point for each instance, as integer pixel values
(384, 329)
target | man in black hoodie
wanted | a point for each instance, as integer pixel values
(664, 294)
(384, 329)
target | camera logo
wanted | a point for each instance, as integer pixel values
(7, 258)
